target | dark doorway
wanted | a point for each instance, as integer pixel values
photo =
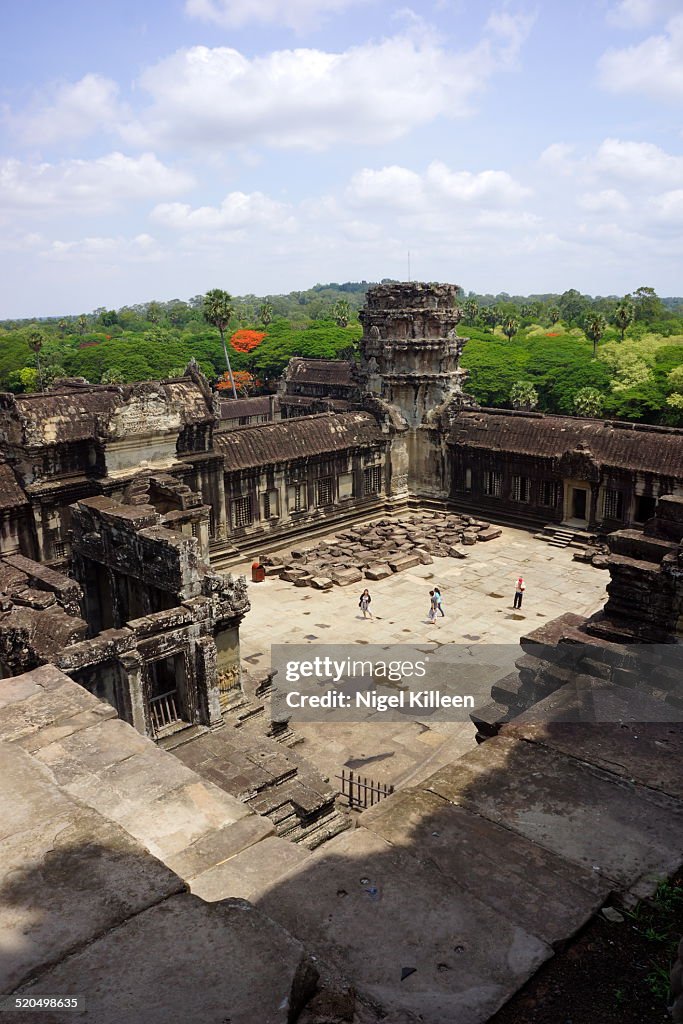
(167, 679)
(579, 503)
(645, 507)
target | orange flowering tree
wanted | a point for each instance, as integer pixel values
(246, 341)
(245, 382)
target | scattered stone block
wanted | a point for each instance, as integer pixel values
(321, 582)
(377, 572)
(291, 575)
(343, 577)
(457, 553)
(489, 533)
(405, 562)
(274, 570)
(469, 538)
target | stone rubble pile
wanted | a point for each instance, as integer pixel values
(378, 549)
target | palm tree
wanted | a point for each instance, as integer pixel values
(62, 326)
(341, 311)
(82, 323)
(35, 343)
(218, 309)
(554, 314)
(624, 316)
(470, 310)
(594, 327)
(510, 326)
(265, 313)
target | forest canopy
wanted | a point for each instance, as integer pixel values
(616, 356)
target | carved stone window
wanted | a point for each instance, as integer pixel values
(493, 483)
(547, 493)
(613, 504)
(241, 512)
(324, 494)
(521, 488)
(60, 549)
(372, 480)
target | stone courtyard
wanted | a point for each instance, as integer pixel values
(477, 594)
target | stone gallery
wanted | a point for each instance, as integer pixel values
(156, 812)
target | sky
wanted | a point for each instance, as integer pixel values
(158, 148)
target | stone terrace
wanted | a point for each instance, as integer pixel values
(414, 916)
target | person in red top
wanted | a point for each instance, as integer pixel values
(520, 587)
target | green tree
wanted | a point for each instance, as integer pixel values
(35, 343)
(624, 316)
(573, 306)
(594, 326)
(265, 312)
(554, 314)
(218, 309)
(109, 317)
(509, 327)
(648, 306)
(341, 312)
(470, 310)
(82, 323)
(523, 395)
(24, 380)
(154, 312)
(588, 402)
(61, 327)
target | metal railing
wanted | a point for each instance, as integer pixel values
(164, 710)
(362, 793)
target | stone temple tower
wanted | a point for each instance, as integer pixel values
(410, 360)
(410, 350)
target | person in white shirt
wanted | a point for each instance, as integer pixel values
(520, 587)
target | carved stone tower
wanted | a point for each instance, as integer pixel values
(410, 360)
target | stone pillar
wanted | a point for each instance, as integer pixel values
(208, 703)
(132, 666)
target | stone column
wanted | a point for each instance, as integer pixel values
(132, 666)
(208, 702)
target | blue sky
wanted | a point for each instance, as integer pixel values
(153, 150)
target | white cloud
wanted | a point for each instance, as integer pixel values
(638, 161)
(372, 93)
(604, 201)
(238, 210)
(630, 14)
(87, 184)
(492, 188)
(438, 187)
(668, 206)
(652, 68)
(110, 251)
(76, 110)
(296, 14)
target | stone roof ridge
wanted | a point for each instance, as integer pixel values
(654, 428)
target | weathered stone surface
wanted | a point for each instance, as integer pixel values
(631, 835)
(343, 577)
(378, 909)
(377, 572)
(260, 965)
(539, 890)
(251, 872)
(489, 533)
(291, 575)
(66, 873)
(321, 582)
(405, 562)
(457, 553)
(469, 538)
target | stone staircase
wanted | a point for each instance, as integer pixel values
(561, 538)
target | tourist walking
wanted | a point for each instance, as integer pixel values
(433, 606)
(364, 604)
(520, 587)
(439, 602)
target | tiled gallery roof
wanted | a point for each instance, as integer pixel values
(298, 438)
